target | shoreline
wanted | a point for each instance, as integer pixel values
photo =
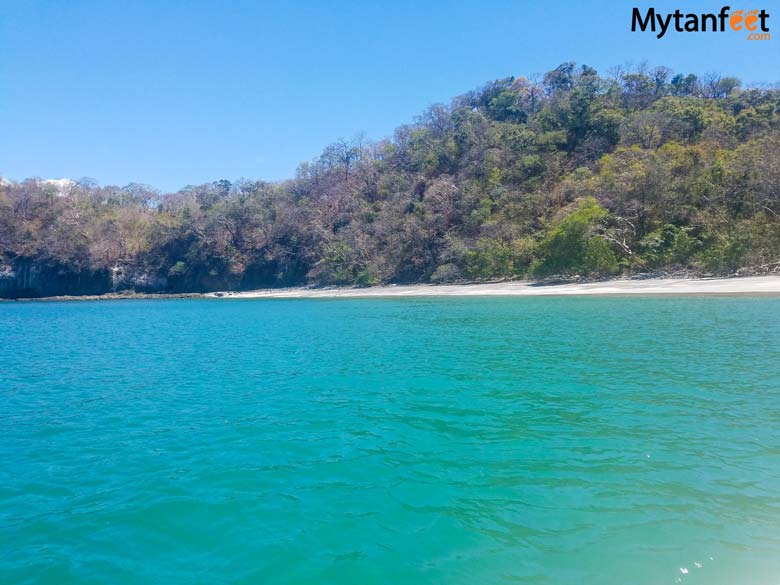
(736, 286)
(118, 296)
(654, 286)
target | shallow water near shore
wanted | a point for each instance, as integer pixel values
(429, 440)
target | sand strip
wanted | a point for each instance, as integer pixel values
(753, 285)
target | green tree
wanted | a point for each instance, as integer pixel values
(573, 244)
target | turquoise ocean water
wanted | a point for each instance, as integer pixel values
(502, 440)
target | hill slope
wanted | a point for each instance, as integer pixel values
(577, 174)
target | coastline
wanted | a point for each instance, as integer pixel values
(655, 286)
(737, 286)
(115, 296)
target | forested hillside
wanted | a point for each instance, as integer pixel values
(576, 174)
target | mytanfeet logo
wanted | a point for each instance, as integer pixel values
(753, 22)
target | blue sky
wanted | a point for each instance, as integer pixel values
(170, 93)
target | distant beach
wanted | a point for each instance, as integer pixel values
(735, 286)
(754, 285)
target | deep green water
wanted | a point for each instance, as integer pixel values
(542, 440)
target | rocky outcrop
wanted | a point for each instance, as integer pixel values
(23, 278)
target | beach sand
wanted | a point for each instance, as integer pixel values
(754, 285)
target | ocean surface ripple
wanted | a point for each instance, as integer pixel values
(501, 440)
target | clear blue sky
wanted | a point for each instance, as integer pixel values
(176, 92)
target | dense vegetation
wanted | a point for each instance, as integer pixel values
(576, 174)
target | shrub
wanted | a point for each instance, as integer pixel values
(492, 258)
(669, 244)
(446, 273)
(178, 269)
(572, 245)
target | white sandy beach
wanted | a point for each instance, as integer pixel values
(754, 285)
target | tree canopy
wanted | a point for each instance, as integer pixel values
(573, 174)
